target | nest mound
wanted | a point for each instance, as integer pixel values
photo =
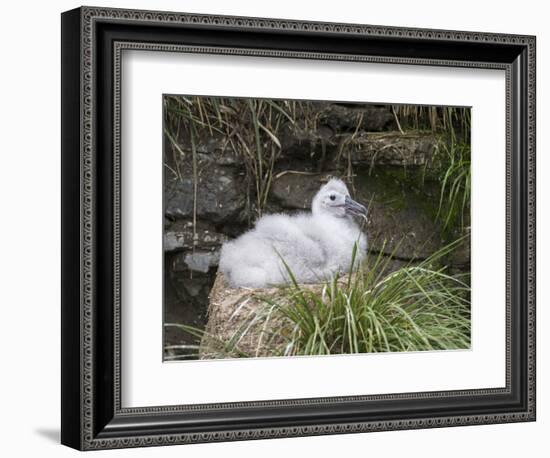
(243, 322)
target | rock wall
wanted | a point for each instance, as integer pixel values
(211, 199)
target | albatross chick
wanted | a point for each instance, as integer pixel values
(314, 246)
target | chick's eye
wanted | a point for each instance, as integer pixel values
(332, 197)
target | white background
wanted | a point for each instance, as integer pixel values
(147, 75)
(30, 245)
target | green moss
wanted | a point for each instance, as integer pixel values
(398, 188)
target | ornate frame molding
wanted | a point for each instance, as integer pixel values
(89, 433)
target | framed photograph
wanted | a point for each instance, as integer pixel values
(276, 228)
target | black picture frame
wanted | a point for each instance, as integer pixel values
(92, 40)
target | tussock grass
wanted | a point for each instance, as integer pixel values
(451, 162)
(372, 309)
(452, 121)
(251, 128)
(414, 308)
(455, 187)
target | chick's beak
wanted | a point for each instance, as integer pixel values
(354, 208)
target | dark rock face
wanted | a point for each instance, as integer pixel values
(299, 143)
(383, 167)
(401, 215)
(219, 195)
(294, 191)
(185, 295)
(346, 117)
(402, 233)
